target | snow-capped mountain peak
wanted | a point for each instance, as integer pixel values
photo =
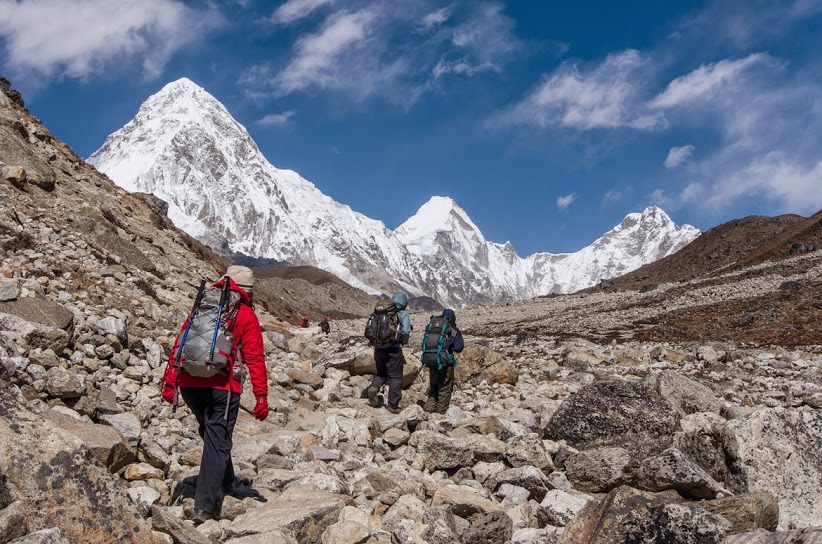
(186, 148)
(440, 214)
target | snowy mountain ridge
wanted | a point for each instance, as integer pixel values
(185, 147)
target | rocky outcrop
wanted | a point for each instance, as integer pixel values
(58, 482)
(777, 451)
(615, 414)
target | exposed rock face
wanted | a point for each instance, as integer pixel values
(778, 451)
(615, 413)
(628, 515)
(58, 482)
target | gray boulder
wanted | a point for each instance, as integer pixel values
(672, 470)
(687, 396)
(777, 451)
(615, 413)
(630, 515)
(58, 481)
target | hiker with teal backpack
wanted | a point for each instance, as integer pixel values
(440, 341)
(219, 341)
(388, 330)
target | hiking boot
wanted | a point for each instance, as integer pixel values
(393, 409)
(201, 516)
(372, 397)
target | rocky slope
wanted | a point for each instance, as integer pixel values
(185, 147)
(551, 437)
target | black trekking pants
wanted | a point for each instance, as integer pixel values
(216, 469)
(440, 387)
(389, 368)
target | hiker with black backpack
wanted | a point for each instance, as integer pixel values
(221, 336)
(388, 330)
(440, 341)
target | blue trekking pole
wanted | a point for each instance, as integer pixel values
(223, 299)
(177, 360)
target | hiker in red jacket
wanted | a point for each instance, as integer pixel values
(215, 401)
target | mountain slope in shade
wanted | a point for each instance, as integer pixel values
(184, 147)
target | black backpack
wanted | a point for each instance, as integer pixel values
(383, 326)
(434, 341)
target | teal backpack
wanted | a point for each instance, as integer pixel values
(434, 354)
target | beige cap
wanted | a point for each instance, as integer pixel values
(242, 276)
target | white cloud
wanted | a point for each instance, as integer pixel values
(605, 96)
(386, 50)
(611, 196)
(77, 39)
(706, 80)
(678, 155)
(563, 202)
(294, 10)
(460, 67)
(790, 185)
(436, 18)
(275, 119)
(314, 63)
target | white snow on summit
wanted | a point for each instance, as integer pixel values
(184, 147)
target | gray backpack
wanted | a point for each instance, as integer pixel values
(204, 346)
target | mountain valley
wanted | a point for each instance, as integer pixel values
(679, 403)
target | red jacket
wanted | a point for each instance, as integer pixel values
(248, 336)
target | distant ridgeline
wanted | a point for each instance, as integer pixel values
(278, 216)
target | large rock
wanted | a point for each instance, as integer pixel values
(464, 501)
(35, 335)
(358, 360)
(12, 522)
(477, 364)
(106, 443)
(559, 507)
(182, 533)
(747, 512)
(687, 396)
(778, 451)
(38, 310)
(53, 535)
(58, 481)
(615, 413)
(672, 470)
(600, 470)
(9, 289)
(527, 477)
(628, 515)
(302, 513)
(440, 452)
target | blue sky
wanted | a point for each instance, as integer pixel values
(546, 121)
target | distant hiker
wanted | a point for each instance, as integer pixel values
(304, 322)
(212, 389)
(440, 341)
(388, 330)
(325, 326)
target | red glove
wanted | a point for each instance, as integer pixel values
(261, 410)
(167, 392)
